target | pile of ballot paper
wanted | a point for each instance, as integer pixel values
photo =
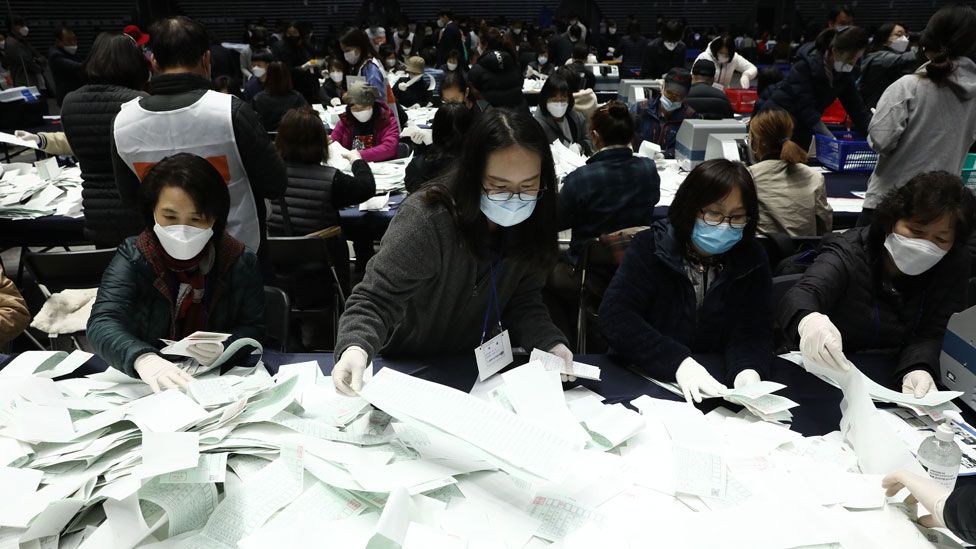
(567, 159)
(28, 192)
(252, 460)
(389, 175)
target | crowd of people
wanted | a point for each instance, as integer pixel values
(192, 154)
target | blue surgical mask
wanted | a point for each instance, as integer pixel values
(507, 213)
(715, 239)
(669, 105)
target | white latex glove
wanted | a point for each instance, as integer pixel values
(347, 375)
(564, 353)
(160, 373)
(926, 491)
(820, 342)
(695, 381)
(206, 352)
(28, 136)
(335, 101)
(403, 86)
(744, 81)
(745, 378)
(351, 156)
(918, 383)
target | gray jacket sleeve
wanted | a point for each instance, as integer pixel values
(409, 256)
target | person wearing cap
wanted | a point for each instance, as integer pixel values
(368, 125)
(413, 89)
(659, 118)
(708, 101)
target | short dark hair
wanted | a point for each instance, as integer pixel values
(454, 54)
(446, 13)
(115, 59)
(197, 178)
(178, 42)
(849, 40)
(838, 9)
(385, 51)
(224, 82)
(703, 67)
(672, 30)
(925, 198)
(712, 180)
(575, 32)
(454, 79)
(277, 81)
(451, 124)
(614, 123)
(555, 85)
(60, 30)
(580, 52)
(15, 21)
(302, 137)
(262, 55)
(356, 38)
(533, 240)
(572, 78)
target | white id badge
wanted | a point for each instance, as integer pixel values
(493, 355)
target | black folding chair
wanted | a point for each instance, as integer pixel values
(277, 317)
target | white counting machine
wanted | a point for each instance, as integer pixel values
(700, 140)
(958, 358)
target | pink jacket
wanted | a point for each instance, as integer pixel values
(385, 134)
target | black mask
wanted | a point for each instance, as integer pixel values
(293, 39)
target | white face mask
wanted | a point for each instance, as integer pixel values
(258, 71)
(24, 31)
(670, 45)
(390, 63)
(557, 109)
(363, 116)
(517, 32)
(452, 66)
(543, 59)
(840, 66)
(336, 76)
(612, 30)
(71, 49)
(723, 58)
(182, 242)
(913, 256)
(351, 56)
(3, 44)
(406, 51)
(899, 44)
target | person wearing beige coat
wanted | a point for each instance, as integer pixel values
(14, 315)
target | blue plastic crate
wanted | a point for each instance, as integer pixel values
(845, 152)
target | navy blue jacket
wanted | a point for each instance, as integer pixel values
(615, 190)
(653, 127)
(649, 317)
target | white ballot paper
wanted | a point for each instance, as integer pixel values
(553, 362)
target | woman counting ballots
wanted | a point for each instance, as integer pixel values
(697, 282)
(889, 287)
(464, 259)
(182, 274)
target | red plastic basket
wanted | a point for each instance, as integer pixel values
(743, 99)
(834, 114)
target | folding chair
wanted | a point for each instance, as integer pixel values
(57, 271)
(277, 316)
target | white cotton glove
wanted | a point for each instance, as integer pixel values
(744, 81)
(746, 378)
(926, 491)
(351, 156)
(335, 101)
(206, 352)
(28, 136)
(918, 383)
(160, 373)
(564, 353)
(820, 342)
(695, 381)
(347, 375)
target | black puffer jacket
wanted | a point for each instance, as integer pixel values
(314, 196)
(880, 69)
(498, 78)
(906, 316)
(87, 115)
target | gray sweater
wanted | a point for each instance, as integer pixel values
(422, 294)
(919, 127)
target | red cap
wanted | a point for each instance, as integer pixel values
(136, 33)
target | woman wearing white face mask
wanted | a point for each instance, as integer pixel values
(888, 60)
(182, 274)
(360, 55)
(335, 84)
(818, 78)
(890, 287)
(368, 125)
(465, 257)
(722, 52)
(557, 117)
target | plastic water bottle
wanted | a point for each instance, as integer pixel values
(940, 455)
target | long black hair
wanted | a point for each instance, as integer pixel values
(880, 39)
(451, 124)
(356, 38)
(950, 34)
(533, 240)
(711, 181)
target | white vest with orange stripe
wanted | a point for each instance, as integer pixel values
(206, 129)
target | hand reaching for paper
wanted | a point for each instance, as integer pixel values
(821, 343)
(695, 381)
(347, 376)
(926, 491)
(917, 383)
(745, 378)
(564, 353)
(206, 352)
(160, 373)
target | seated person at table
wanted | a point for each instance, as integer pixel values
(315, 192)
(540, 67)
(616, 189)
(278, 96)
(707, 101)
(890, 286)
(558, 119)
(953, 509)
(335, 84)
(792, 195)
(259, 73)
(182, 274)
(491, 227)
(585, 101)
(368, 125)
(697, 282)
(390, 61)
(578, 65)
(413, 89)
(454, 89)
(451, 123)
(14, 315)
(453, 64)
(658, 119)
